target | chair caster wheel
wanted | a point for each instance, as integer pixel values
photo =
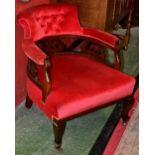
(28, 102)
(124, 123)
(28, 106)
(57, 146)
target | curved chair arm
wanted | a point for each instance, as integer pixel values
(39, 57)
(33, 52)
(108, 40)
(104, 37)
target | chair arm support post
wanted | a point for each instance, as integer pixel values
(47, 84)
(118, 62)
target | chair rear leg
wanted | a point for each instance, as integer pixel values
(28, 102)
(59, 128)
(129, 102)
(126, 108)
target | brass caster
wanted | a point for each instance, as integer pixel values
(124, 123)
(28, 102)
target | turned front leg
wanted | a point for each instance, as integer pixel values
(59, 128)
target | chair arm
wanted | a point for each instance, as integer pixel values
(39, 57)
(33, 52)
(108, 40)
(104, 37)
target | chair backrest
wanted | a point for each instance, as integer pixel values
(42, 23)
(45, 20)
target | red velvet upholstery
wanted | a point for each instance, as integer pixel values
(101, 36)
(79, 84)
(21, 60)
(33, 52)
(54, 20)
(59, 19)
(50, 20)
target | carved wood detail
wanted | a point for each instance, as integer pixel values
(47, 84)
(51, 45)
(32, 73)
(80, 45)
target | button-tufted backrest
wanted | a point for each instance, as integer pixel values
(49, 19)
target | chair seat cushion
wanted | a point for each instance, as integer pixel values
(79, 84)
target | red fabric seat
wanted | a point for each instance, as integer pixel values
(79, 83)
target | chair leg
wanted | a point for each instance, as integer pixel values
(59, 128)
(129, 102)
(28, 102)
(126, 108)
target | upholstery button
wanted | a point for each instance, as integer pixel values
(42, 25)
(37, 19)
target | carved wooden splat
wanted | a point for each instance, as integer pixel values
(52, 46)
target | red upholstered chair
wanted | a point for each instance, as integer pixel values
(67, 76)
